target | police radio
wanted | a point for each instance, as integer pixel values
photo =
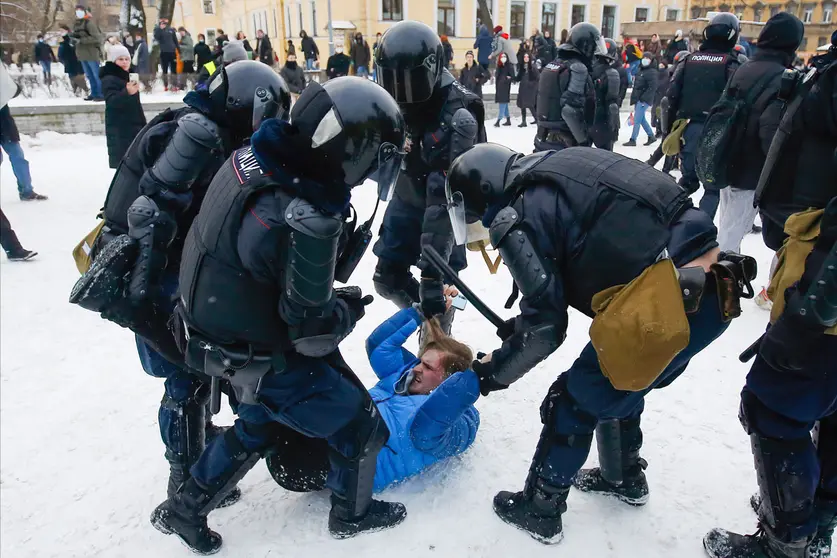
(355, 247)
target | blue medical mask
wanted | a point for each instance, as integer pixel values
(646, 62)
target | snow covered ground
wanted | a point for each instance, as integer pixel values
(82, 464)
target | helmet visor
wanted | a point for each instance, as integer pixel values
(390, 160)
(412, 85)
(601, 47)
(456, 214)
(265, 107)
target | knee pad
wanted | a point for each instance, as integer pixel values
(298, 463)
(183, 428)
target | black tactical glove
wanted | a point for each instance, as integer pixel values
(789, 345)
(484, 372)
(432, 294)
(506, 330)
(355, 301)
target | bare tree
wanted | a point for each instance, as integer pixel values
(165, 9)
(132, 17)
(23, 20)
(485, 14)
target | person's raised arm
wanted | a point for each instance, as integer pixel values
(447, 423)
(384, 346)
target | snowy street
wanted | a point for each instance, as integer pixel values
(81, 460)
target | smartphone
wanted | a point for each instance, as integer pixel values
(133, 77)
(459, 302)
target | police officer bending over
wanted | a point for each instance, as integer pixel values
(793, 381)
(697, 84)
(153, 198)
(566, 96)
(260, 310)
(443, 120)
(602, 233)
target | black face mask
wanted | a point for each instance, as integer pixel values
(291, 64)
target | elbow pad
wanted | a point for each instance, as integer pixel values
(312, 254)
(464, 133)
(153, 230)
(525, 350)
(523, 259)
(192, 145)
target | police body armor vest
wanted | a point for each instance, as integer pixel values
(704, 80)
(599, 76)
(553, 82)
(219, 297)
(624, 209)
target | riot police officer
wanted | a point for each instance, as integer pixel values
(571, 226)
(259, 309)
(566, 97)
(443, 120)
(606, 85)
(697, 84)
(792, 384)
(153, 198)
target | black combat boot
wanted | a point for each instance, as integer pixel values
(353, 510)
(507, 122)
(826, 523)
(620, 472)
(537, 510)
(720, 543)
(185, 513)
(181, 516)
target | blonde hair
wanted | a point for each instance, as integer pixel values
(456, 356)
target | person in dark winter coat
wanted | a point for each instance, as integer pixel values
(473, 75)
(624, 80)
(264, 49)
(663, 77)
(504, 76)
(338, 63)
(777, 44)
(240, 36)
(361, 55)
(203, 53)
(527, 94)
(45, 57)
(221, 39)
(483, 46)
(142, 60)
(72, 66)
(167, 40)
(674, 46)
(522, 50)
(309, 50)
(448, 50)
(290, 49)
(124, 117)
(645, 88)
(551, 47)
(293, 75)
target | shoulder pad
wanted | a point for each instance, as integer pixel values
(464, 123)
(201, 130)
(578, 67)
(502, 225)
(447, 79)
(303, 216)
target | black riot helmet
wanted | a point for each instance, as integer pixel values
(410, 61)
(585, 39)
(722, 29)
(612, 49)
(476, 180)
(348, 128)
(245, 94)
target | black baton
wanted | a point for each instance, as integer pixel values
(439, 263)
(215, 395)
(751, 351)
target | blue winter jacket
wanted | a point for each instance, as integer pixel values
(424, 429)
(484, 45)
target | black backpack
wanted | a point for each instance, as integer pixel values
(720, 146)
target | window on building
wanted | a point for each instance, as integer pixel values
(391, 10)
(577, 14)
(478, 19)
(792, 8)
(672, 15)
(446, 18)
(210, 36)
(827, 12)
(314, 18)
(609, 21)
(59, 6)
(758, 13)
(517, 20)
(641, 14)
(808, 13)
(775, 10)
(289, 32)
(696, 11)
(299, 13)
(208, 7)
(548, 10)
(803, 45)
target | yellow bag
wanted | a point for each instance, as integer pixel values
(640, 327)
(481, 244)
(803, 229)
(81, 253)
(672, 143)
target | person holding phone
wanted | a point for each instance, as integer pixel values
(124, 117)
(427, 402)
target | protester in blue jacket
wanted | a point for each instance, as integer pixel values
(484, 46)
(427, 403)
